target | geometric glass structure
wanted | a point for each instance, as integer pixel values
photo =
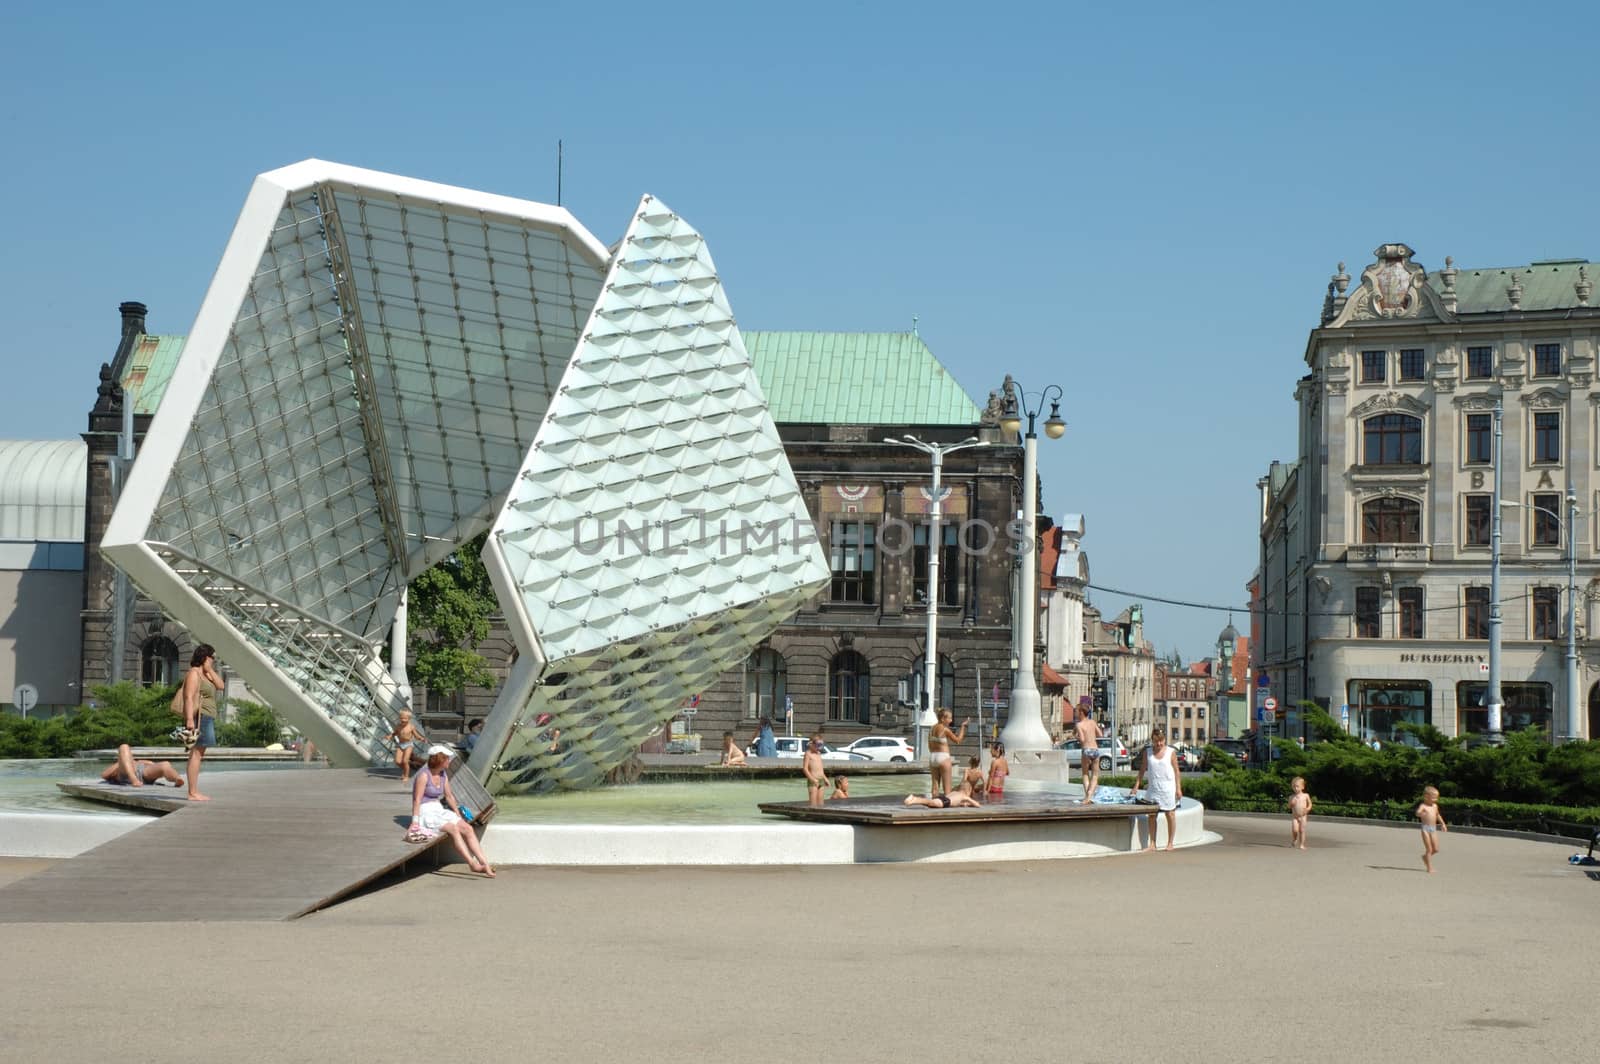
(383, 368)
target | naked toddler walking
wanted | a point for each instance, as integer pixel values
(1299, 811)
(1432, 821)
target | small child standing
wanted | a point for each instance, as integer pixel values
(816, 775)
(972, 781)
(1299, 811)
(1432, 821)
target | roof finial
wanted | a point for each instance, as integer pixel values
(1583, 286)
(914, 327)
(1447, 277)
(1341, 280)
(1514, 292)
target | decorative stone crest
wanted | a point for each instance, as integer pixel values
(1475, 402)
(1391, 285)
(1544, 399)
(1385, 401)
(1387, 491)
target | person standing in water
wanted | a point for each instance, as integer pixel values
(200, 686)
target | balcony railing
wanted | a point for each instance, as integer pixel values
(1387, 554)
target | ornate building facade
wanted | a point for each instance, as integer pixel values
(1374, 575)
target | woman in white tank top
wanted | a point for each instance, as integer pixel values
(1166, 783)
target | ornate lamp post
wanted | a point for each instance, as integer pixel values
(1025, 729)
(926, 718)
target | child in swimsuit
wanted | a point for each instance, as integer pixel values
(972, 779)
(407, 736)
(1432, 821)
(841, 787)
(999, 769)
(1299, 811)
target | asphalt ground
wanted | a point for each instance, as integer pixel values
(1241, 951)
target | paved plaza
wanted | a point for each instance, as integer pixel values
(1244, 950)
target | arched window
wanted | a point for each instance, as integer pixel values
(849, 688)
(766, 683)
(947, 680)
(158, 662)
(1391, 520)
(1391, 439)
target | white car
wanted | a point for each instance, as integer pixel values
(795, 746)
(882, 748)
(1112, 753)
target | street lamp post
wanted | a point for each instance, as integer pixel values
(1570, 728)
(1025, 729)
(930, 656)
(1491, 697)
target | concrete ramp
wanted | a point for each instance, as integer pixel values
(270, 845)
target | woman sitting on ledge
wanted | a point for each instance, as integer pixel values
(956, 799)
(430, 794)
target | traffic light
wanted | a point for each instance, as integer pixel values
(1099, 689)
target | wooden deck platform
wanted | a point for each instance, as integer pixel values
(268, 846)
(891, 811)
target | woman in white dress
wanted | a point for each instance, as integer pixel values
(1166, 783)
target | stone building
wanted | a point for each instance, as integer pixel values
(154, 649)
(847, 660)
(1375, 541)
(1117, 651)
(1184, 704)
(1063, 584)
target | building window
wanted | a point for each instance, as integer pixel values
(1479, 515)
(854, 559)
(849, 688)
(1547, 436)
(1390, 520)
(1410, 600)
(1475, 615)
(766, 684)
(1546, 522)
(1545, 604)
(1480, 439)
(158, 662)
(947, 679)
(1392, 439)
(1378, 707)
(1480, 363)
(1372, 367)
(1369, 614)
(1200, 712)
(1411, 364)
(1522, 705)
(1547, 360)
(1188, 712)
(446, 703)
(949, 566)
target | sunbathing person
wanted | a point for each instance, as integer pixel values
(956, 799)
(130, 772)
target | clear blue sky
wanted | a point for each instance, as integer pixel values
(1142, 203)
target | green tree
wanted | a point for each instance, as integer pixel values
(448, 611)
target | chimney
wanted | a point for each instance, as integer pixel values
(132, 318)
(132, 325)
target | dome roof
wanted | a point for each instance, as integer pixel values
(42, 486)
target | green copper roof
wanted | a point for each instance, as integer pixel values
(1545, 286)
(856, 379)
(150, 370)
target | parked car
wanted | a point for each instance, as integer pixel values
(1113, 754)
(883, 748)
(1188, 758)
(795, 746)
(1235, 748)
